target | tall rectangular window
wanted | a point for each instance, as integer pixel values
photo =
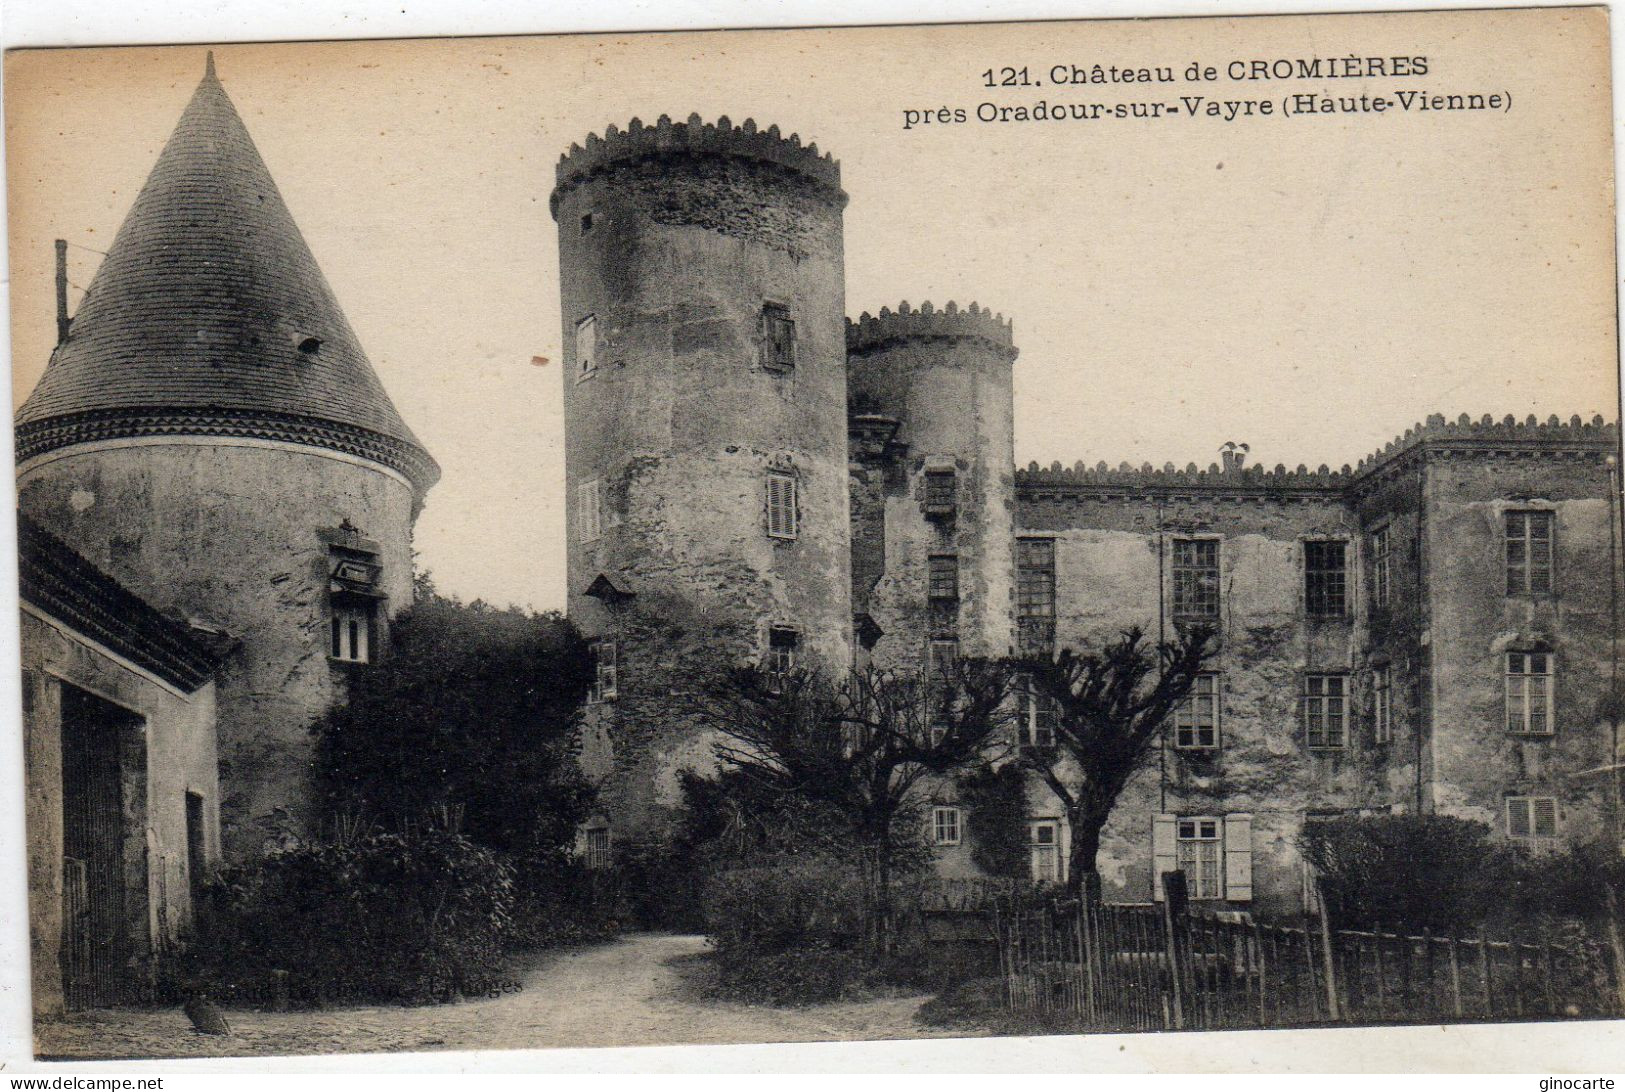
(1196, 721)
(1044, 850)
(1382, 704)
(943, 582)
(782, 645)
(606, 670)
(945, 826)
(1038, 716)
(943, 656)
(1196, 577)
(781, 504)
(1199, 856)
(1325, 711)
(1532, 820)
(941, 491)
(778, 337)
(1382, 576)
(1035, 595)
(589, 511)
(1325, 575)
(586, 346)
(1529, 552)
(1531, 689)
(599, 852)
(351, 631)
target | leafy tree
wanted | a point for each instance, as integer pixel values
(856, 749)
(471, 713)
(1110, 705)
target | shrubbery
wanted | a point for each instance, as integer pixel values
(412, 918)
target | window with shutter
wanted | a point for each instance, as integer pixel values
(781, 504)
(1532, 820)
(778, 338)
(1198, 855)
(1164, 851)
(586, 347)
(589, 511)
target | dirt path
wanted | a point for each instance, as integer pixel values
(626, 993)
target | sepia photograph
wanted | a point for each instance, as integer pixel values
(798, 535)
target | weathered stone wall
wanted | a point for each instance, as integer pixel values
(1475, 762)
(1107, 580)
(230, 535)
(680, 421)
(946, 376)
(180, 757)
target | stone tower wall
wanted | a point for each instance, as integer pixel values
(674, 238)
(946, 377)
(232, 536)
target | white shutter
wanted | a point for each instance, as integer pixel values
(1544, 819)
(1164, 851)
(1238, 857)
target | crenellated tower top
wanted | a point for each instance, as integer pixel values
(695, 139)
(870, 333)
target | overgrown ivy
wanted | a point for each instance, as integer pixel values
(995, 802)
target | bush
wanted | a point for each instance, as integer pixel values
(408, 918)
(789, 934)
(562, 903)
(1418, 871)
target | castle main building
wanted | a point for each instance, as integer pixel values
(1433, 630)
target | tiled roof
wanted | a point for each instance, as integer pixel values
(210, 300)
(72, 590)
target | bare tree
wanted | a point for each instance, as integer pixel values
(1110, 706)
(861, 745)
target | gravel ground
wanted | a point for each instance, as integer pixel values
(631, 992)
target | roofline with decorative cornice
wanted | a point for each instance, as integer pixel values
(34, 438)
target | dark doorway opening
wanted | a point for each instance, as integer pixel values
(196, 859)
(104, 882)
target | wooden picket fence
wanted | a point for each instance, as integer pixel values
(1171, 967)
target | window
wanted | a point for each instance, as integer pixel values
(1382, 704)
(586, 346)
(589, 511)
(782, 644)
(606, 664)
(941, 491)
(1196, 577)
(1325, 711)
(778, 337)
(1382, 575)
(1044, 850)
(1198, 849)
(942, 655)
(598, 848)
(1035, 595)
(1530, 686)
(352, 631)
(1038, 716)
(942, 584)
(1196, 721)
(586, 222)
(1325, 577)
(1532, 820)
(781, 504)
(945, 826)
(1529, 552)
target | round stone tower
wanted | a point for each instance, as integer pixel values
(946, 568)
(702, 288)
(211, 433)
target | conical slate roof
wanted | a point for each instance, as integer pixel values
(209, 316)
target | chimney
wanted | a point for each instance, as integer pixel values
(1234, 455)
(61, 291)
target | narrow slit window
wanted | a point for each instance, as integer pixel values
(586, 346)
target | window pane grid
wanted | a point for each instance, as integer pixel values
(1196, 720)
(1325, 711)
(1528, 552)
(945, 826)
(943, 576)
(1382, 710)
(1325, 578)
(1530, 686)
(1198, 856)
(940, 489)
(1196, 577)
(1381, 562)
(1035, 594)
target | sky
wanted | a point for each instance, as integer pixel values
(1310, 287)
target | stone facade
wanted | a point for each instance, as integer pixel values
(1376, 594)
